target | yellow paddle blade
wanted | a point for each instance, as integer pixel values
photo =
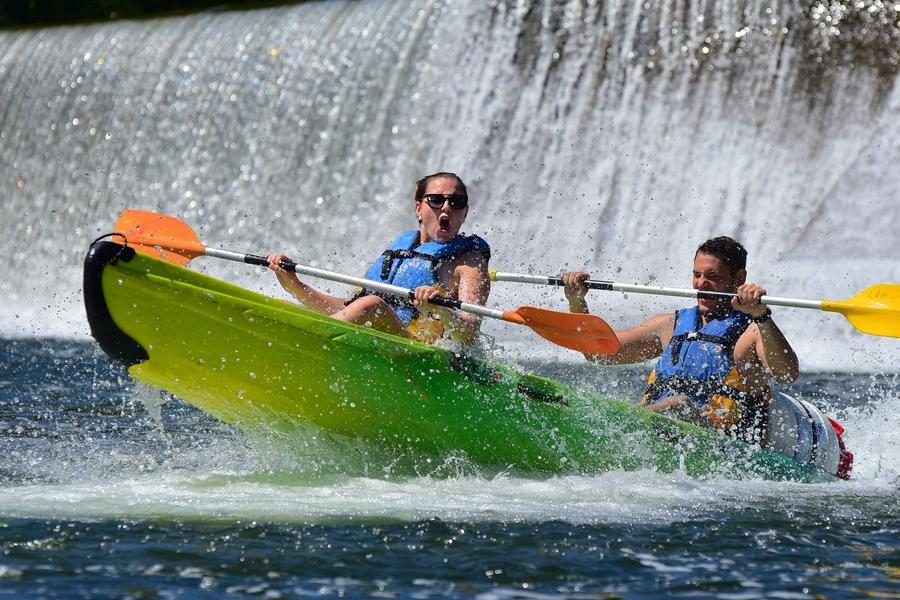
(577, 331)
(875, 310)
(161, 236)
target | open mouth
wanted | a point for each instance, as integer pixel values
(444, 223)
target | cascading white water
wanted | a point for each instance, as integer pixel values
(609, 135)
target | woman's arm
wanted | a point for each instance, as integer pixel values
(305, 294)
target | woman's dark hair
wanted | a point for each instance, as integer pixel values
(423, 183)
(729, 251)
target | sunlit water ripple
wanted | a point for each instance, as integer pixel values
(102, 499)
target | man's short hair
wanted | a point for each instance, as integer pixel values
(726, 249)
(422, 184)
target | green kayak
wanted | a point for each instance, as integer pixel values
(269, 367)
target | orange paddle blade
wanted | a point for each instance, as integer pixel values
(577, 331)
(875, 310)
(161, 236)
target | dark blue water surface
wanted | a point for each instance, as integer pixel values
(103, 498)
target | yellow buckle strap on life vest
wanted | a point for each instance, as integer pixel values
(723, 412)
(645, 399)
(427, 327)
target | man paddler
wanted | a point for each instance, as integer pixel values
(715, 358)
(433, 259)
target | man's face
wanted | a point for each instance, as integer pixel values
(712, 275)
(441, 224)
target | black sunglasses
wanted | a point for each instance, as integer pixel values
(457, 201)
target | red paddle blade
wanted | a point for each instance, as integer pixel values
(160, 236)
(577, 331)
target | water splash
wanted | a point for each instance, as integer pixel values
(869, 424)
(617, 135)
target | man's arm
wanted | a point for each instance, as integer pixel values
(637, 344)
(768, 342)
(775, 352)
(640, 343)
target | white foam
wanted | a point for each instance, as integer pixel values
(616, 497)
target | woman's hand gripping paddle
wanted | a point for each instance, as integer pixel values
(172, 240)
(875, 310)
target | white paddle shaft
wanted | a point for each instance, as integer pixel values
(651, 289)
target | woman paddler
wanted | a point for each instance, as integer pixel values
(435, 259)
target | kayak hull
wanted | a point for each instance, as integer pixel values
(272, 368)
(800, 431)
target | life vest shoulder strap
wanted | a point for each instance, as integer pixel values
(724, 331)
(407, 246)
(459, 245)
(401, 248)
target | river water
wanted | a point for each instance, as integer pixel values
(107, 493)
(613, 136)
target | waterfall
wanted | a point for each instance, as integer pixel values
(606, 135)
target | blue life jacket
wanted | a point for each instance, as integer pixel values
(699, 361)
(408, 264)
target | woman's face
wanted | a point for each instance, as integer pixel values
(441, 224)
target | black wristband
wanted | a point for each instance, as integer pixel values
(763, 317)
